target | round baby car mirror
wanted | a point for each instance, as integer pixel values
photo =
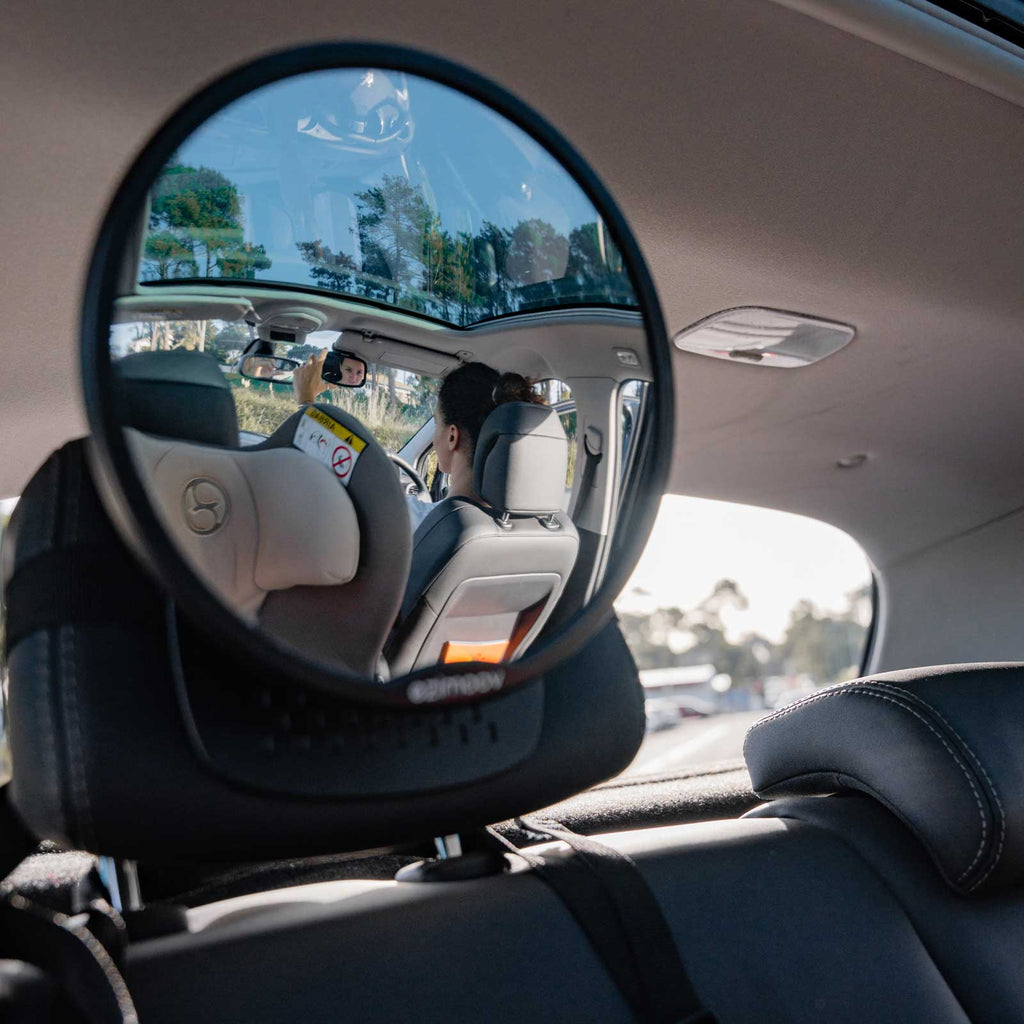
(341, 261)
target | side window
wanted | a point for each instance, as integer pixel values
(734, 612)
(631, 402)
(6, 508)
(558, 395)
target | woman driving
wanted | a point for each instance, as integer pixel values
(466, 398)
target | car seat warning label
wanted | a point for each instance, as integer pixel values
(329, 442)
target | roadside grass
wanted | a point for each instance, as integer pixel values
(262, 412)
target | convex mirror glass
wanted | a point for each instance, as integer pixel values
(320, 286)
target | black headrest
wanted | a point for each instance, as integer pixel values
(181, 394)
(520, 459)
(940, 747)
(135, 734)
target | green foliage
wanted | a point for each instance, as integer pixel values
(405, 256)
(169, 256)
(823, 646)
(228, 342)
(262, 411)
(410, 260)
(195, 228)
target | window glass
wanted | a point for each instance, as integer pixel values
(558, 395)
(733, 612)
(393, 403)
(384, 187)
(6, 508)
(630, 400)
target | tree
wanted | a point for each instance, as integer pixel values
(824, 647)
(169, 256)
(332, 271)
(228, 343)
(243, 261)
(536, 253)
(491, 283)
(393, 218)
(195, 227)
(586, 253)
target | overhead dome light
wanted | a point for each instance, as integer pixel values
(768, 337)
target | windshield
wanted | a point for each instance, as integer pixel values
(393, 403)
(382, 187)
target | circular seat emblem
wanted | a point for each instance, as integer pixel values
(205, 505)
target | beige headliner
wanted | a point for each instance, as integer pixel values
(763, 157)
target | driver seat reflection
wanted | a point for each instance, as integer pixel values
(488, 569)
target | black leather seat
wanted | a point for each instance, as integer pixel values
(883, 882)
(486, 576)
(901, 906)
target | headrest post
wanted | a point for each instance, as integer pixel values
(121, 880)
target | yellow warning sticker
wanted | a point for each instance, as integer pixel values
(327, 441)
(340, 432)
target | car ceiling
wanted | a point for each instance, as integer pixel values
(766, 153)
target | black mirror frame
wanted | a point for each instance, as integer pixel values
(123, 492)
(344, 354)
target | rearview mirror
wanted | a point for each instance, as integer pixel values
(269, 369)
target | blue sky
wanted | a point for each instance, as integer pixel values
(299, 183)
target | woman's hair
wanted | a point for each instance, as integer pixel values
(469, 393)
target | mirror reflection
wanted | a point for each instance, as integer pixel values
(267, 368)
(383, 372)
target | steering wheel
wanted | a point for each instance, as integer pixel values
(418, 481)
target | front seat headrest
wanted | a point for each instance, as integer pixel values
(181, 394)
(520, 460)
(939, 747)
(135, 739)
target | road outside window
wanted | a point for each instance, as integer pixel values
(733, 612)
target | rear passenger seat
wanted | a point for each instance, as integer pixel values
(811, 908)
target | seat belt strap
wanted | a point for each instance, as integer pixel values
(67, 951)
(593, 455)
(610, 900)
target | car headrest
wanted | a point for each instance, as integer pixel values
(134, 733)
(181, 394)
(520, 460)
(309, 616)
(939, 747)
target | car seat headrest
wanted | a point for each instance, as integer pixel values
(234, 516)
(134, 733)
(520, 460)
(939, 747)
(181, 394)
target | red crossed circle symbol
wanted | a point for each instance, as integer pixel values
(341, 461)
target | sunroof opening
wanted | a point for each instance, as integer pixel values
(385, 187)
(1004, 18)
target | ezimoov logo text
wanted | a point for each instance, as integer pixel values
(426, 691)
